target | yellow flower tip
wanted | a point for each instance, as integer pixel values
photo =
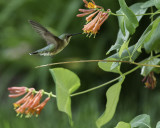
(21, 115)
(28, 115)
(88, 20)
(91, 5)
(18, 114)
(89, 33)
(15, 105)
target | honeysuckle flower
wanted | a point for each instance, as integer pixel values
(150, 80)
(96, 17)
(89, 18)
(17, 91)
(27, 97)
(85, 12)
(39, 108)
(30, 103)
(93, 26)
(91, 5)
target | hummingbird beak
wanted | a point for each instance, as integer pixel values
(74, 34)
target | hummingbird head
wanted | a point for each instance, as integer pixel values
(67, 36)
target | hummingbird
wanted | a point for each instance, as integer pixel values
(54, 44)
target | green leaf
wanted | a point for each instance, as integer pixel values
(146, 36)
(158, 124)
(146, 69)
(108, 66)
(123, 125)
(66, 83)
(148, 4)
(142, 121)
(121, 21)
(157, 3)
(128, 12)
(153, 42)
(112, 95)
(129, 25)
(136, 8)
(126, 54)
(114, 65)
(123, 47)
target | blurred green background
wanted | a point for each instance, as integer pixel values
(17, 39)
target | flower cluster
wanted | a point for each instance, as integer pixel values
(30, 103)
(150, 81)
(96, 17)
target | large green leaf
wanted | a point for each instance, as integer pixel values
(123, 125)
(148, 4)
(112, 95)
(129, 25)
(66, 83)
(146, 69)
(157, 3)
(158, 124)
(128, 13)
(136, 8)
(121, 21)
(146, 36)
(141, 121)
(153, 43)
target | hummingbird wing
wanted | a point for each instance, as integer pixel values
(48, 36)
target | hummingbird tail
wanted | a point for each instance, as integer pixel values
(33, 53)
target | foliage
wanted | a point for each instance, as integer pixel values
(125, 50)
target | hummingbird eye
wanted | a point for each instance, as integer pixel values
(67, 36)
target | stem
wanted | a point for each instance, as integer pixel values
(104, 84)
(109, 82)
(49, 94)
(94, 88)
(151, 12)
(135, 15)
(88, 61)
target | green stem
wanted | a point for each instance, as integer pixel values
(49, 94)
(94, 88)
(151, 12)
(46, 93)
(88, 61)
(104, 84)
(109, 82)
(111, 13)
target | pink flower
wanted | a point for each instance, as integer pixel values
(30, 103)
(17, 91)
(93, 26)
(39, 108)
(85, 12)
(89, 18)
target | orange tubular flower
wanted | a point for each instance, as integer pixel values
(39, 108)
(93, 26)
(23, 100)
(85, 12)
(30, 103)
(17, 91)
(89, 18)
(150, 81)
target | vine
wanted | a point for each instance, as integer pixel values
(68, 82)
